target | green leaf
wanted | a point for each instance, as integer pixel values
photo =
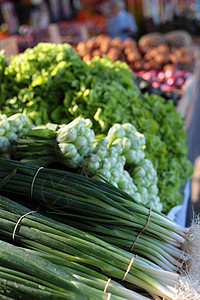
(37, 81)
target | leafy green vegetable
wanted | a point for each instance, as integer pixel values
(37, 80)
(50, 83)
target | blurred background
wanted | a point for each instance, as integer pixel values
(164, 52)
(30, 19)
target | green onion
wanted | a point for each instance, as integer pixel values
(91, 277)
(41, 233)
(102, 209)
(32, 276)
(41, 276)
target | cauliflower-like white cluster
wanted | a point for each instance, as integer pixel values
(113, 156)
(10, 130)
(75, 141)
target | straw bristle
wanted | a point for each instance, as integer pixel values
(188, 289)
(191, 266)
(190, 273)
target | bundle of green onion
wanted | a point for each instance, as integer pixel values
(66, 143)
(25, 275)
(69, 244)
(29, 274)
(100, 208)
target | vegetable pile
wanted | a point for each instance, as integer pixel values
(66, 262)
(118, 158)
(35, 275)
(96, 203)
(84, 248)
(152, 58)
(60, 87)
(10, 130)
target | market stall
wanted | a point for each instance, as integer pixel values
(94, 167)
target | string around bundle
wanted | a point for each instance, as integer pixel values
(16, 225)
(146, 225)
(129, 267)
(33, 181)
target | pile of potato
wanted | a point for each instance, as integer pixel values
(152, 51)
(166, 61)
(116, 49)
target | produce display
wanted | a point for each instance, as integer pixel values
(165, 64)
(96, 203)
(60, 87)
(169, 79)
(118, 158)
(67, 262)
(39, 275)
(146, 86)
(68, 144)
(99, 233)
(10, 130)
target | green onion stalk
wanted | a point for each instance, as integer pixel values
(100, 208)
(52, 143)
(31, 274)
(93, 278)
(40, 233)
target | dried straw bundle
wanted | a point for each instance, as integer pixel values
(190, 272)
